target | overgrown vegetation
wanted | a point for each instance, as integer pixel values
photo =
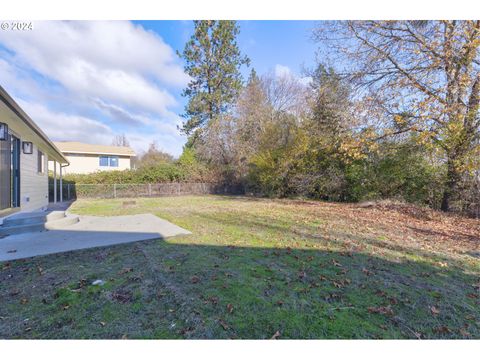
(398, 117)
(257, 268)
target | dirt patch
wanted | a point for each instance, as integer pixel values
(122, 296)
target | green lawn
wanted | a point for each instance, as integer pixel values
(256, 268)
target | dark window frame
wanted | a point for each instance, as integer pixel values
(40, 162)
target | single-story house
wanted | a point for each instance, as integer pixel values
(89, 158)
(25, 151)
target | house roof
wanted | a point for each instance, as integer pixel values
(75, 147)
(17, 113)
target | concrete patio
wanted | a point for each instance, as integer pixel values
(88, 232)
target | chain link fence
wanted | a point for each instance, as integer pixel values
(111, 191)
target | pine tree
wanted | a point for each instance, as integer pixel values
(213, 61)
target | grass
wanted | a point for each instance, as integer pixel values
(256, 268)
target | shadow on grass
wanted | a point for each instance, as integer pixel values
(183, 289)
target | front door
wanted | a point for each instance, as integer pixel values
(10, 173)
(5, 173)
(15, 171)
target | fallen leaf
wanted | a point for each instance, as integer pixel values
(367, 272)
(125, 270)
(224, 324)
(213, 300)
(336, 263)
(23, 301)
(418, 335)
(230, 308)
(194, 279)
(464, 332)
(442, 330)
(393, 301)
(103, 323)
(434, 310)
(276, 335)
(122, 296)
(384, 310)
(186, 330)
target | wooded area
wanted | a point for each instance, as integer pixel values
(389, 111)
(396, 116)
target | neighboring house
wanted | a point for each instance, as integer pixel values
(25, 151)
(88, 158)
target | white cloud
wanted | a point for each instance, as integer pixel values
(285, 71)
(79, 67)
(79, 128)
(112, 60)
(282, 70)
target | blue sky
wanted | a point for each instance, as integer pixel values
(87, 81)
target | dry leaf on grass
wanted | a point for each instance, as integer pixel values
(434, 310)
(224, 324)
(125, 270)
(384, 310)
(276, 335)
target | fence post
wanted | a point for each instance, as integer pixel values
(68, 191)
(114, 191)
(149, 189)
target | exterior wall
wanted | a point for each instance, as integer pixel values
(86, 163)
(33, 185)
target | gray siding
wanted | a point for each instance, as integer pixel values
(33, 185)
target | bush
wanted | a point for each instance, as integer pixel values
(396, 170)
(186, 169)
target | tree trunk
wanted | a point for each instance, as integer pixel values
(451, 185)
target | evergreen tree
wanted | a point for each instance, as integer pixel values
(213, 61)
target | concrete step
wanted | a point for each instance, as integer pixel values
(20, 229)
(31, 218)
(60, 223)
(36, 222)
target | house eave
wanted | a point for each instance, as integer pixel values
(55, 153)
(68, 152)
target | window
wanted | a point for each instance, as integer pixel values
(114, 161)
(111, 161)
(40, 163)
(103, 160)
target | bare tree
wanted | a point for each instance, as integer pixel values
(120, 140)
(425, 75)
